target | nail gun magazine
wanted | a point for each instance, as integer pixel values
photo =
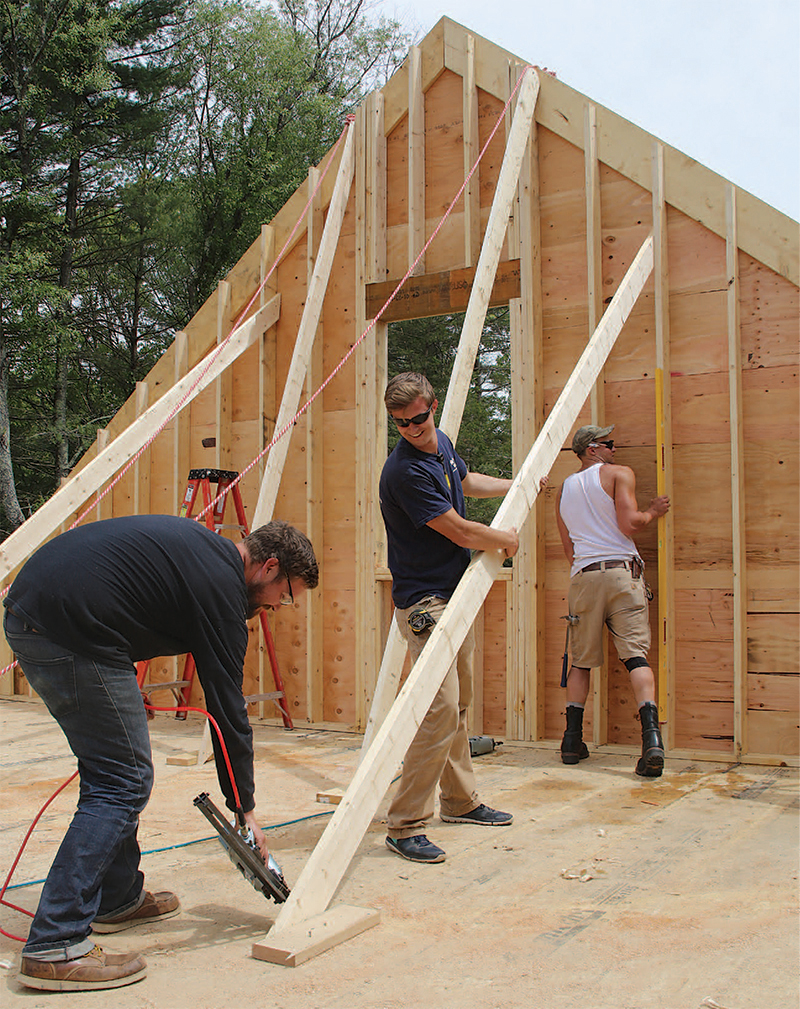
(242, 850)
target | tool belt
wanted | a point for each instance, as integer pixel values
(635, 566)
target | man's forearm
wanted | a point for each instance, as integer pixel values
(480, 485)
(477, 536)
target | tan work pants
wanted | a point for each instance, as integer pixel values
(439, 753)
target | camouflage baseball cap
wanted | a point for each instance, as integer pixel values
(584, 436)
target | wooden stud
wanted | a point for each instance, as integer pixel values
(223, 386)
(533, 300)
(520, 601)
(472, 194)
(266, 411)
(270, 484)
(371, 452)
(594, 277)
(315, 484)
(141, 468)
(103, 508)
(416, 160)
(376, 188)
(377, 199)
(664, 441)
(737, 481)
(180, 425)
(525, 667)
(594, 244)
(366, 414)
(7, 688)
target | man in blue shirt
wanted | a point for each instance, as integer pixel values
(422, 490)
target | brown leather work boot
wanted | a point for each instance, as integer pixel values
(95, 970)
(154, 907)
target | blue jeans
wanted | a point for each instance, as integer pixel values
(96, 869)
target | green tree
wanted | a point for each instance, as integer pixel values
(142, 145)
(267, 99)
(82, 86)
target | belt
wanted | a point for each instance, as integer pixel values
(605, 565)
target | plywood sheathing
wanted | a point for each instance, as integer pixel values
(332, 678)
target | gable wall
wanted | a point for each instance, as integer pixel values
(240, 411)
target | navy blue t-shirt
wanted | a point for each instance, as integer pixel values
(132, 588)
(416, 487)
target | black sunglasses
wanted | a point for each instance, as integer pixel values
(608, 444)
(419, 419)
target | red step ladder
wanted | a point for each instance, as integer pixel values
(200, 481)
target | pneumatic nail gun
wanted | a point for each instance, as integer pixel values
(243, 851)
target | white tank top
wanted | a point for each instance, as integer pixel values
(591, 520)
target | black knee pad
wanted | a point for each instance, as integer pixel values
(635, 663)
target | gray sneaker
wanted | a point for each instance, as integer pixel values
(483, 815)
(415, 849)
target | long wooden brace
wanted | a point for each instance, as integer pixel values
(304, 342)
(91, 478)
(331, 857)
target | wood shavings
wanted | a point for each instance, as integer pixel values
(710, 1003)
(583, 875)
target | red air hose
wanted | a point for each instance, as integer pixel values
(72, 777)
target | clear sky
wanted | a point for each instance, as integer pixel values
(718, 79)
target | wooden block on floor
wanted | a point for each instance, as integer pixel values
(333, 796)
(313, 936)
(183, 759)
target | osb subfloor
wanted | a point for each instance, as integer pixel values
(607, 892)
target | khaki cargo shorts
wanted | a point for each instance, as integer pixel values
(614, 598)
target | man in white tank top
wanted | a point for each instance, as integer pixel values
(597, 515)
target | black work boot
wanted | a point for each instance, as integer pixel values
(573, 747)
(651, 762)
